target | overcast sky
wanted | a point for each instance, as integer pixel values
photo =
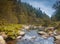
(44, 5)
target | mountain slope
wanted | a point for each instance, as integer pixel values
(13, 11)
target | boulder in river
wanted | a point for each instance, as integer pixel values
(43, 34)
(22, 33)
(57, 37)
(19, 37)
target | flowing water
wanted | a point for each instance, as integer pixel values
(31, 37)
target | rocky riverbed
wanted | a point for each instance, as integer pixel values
(34, 37)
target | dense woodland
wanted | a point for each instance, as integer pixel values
(14, 12)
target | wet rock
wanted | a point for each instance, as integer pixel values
(58, 37)
(19, 37)
(22, 33)
(41, 32)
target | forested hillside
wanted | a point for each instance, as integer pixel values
(15, 11)
(56, 15)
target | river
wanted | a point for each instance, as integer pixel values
(32, 37)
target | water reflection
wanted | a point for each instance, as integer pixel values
(31, 37)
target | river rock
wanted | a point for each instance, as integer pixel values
(41, 32)
(21, 33)
(58, 37)
(2, 41)
(19, 37)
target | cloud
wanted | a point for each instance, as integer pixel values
(44, 5)
(47, 9)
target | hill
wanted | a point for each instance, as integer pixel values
(13, 11)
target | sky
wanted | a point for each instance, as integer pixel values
(44, 5)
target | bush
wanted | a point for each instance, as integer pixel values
(11, 30)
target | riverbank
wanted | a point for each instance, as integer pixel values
(23, 28)
(57, 41)
(11, 42)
